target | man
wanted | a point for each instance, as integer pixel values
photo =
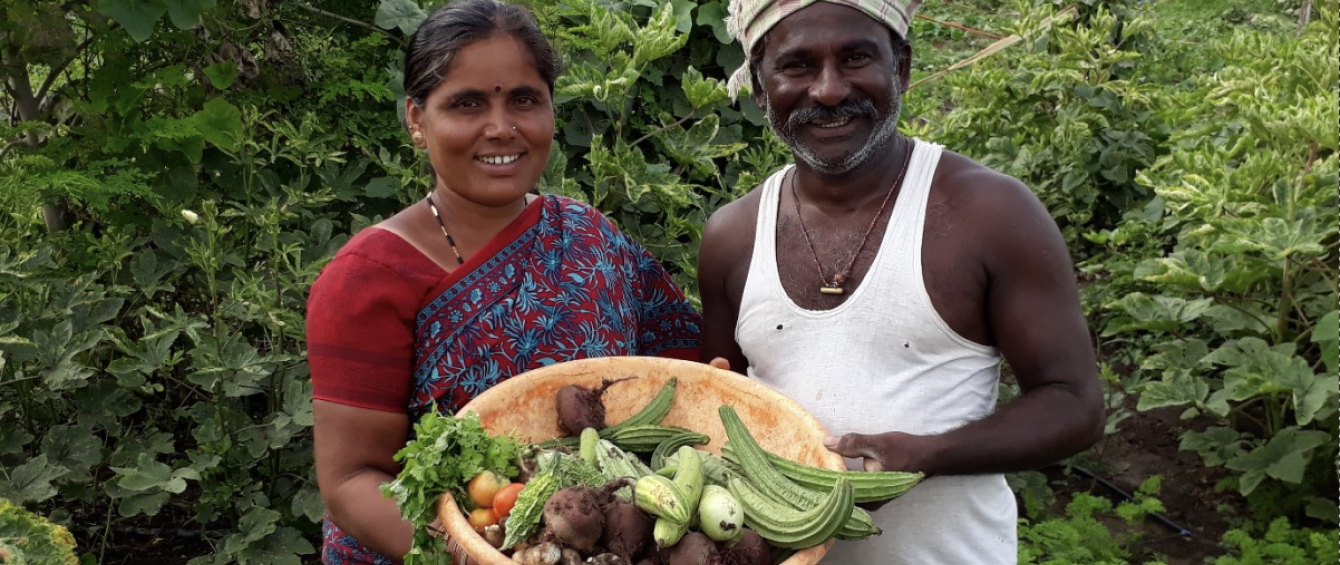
(880, 280)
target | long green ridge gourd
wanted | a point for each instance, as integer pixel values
(646, 438)
(651, 414)
(775, 485)
(871, 486)
(672, 444)
(787, 527)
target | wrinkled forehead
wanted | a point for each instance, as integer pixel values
(820, 26)
(750, 20)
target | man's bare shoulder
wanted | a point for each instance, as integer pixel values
(991, 200)
(735, 219)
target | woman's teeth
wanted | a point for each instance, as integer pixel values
(500, 160)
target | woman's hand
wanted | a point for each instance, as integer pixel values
(720, 363)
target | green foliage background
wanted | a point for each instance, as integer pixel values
(174, 173)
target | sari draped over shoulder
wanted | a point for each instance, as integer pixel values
(560, 283)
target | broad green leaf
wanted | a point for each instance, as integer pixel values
(148, 504)
(1155, 313)
(31, 481)
(380, 187)
(1215, 445)
(74, 447)
(702, 92)
(222, 75)
(147, 474)
(185, 14)
(1309, 391)
(255, 525)
(1177, 357)
(683, 15)
(1322, 509)
(1284, 457)
(139, 17)
(220, 123)
(281, 547)
(1247, 317)
(13, 438)
(1176, 391)
(658, 37)
(1327, 333)
(403, 14)
(1197, 271)
(308, 503)
(713, 14)
(1247, 351)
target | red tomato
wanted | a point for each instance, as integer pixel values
(506, 499)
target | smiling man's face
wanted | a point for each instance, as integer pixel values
(832, 87)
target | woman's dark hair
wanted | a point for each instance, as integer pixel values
(459, 23)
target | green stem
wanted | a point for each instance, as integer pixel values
(1285, 303)
(106, 534)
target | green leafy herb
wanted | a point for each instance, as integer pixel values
(446, 453)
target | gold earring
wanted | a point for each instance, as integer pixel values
(418, 137)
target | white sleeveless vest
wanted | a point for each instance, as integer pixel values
(885, 361)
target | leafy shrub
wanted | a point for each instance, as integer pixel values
(29, 539)
(1281, 545)
(1244, 301)
(1079, 537)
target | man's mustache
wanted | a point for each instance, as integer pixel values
(844, 110)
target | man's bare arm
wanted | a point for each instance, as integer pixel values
(719, 258)
(1033, 312)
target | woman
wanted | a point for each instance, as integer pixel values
(479, 281)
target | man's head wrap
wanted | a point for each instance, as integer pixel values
(750, 20)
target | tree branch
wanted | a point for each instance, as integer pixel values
(350, 21)
(57, 70)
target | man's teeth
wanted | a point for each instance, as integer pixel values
(500, 160)
(834, 123)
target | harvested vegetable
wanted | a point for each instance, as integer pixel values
(481, 518)
(750, 549)
(505, 499)
(627, 530)
(547, 553)
(575, 517)
(524, 520)
(446, 452)
(484, 486)
(694, 549)
(580, 407)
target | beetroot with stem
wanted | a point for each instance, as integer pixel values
(575, 517)
(750, 549)
(627, 530)
(695, 548)
(580, 407)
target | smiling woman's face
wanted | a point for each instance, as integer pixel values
(488, 126)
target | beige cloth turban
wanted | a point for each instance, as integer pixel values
(750, 20)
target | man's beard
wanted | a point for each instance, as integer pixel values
(886, 127)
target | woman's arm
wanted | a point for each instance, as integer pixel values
(354, 447)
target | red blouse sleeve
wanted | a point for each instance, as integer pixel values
(360, 334)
